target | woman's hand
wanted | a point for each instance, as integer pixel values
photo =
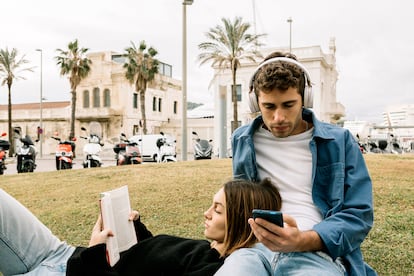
(98, 235)
(134, 215)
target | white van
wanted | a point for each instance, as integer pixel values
(148, 146)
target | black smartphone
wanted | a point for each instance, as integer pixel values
(274, 217)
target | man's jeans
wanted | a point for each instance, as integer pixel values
(260, 261)
(27, 246)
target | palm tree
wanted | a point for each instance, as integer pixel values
(141, 68)
(226, 47)
(74, 63)
(10, 67)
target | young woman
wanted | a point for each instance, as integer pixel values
(28, 247)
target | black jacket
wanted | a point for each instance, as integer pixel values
(159, 255)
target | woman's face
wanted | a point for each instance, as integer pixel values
(216, 218)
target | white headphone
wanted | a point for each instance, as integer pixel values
(307, 94)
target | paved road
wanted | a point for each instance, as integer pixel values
(48, 164)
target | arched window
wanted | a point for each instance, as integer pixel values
(107, 98)
(96, 100)
(86, 98)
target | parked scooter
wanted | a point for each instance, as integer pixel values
(26, 156)
(64, 153)
(4, 146)
(202, 148)
(127, 152)
(166, 151)
(91, 150)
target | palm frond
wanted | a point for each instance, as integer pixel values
(227, 45)
(11, 66)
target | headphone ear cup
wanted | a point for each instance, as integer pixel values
(308, 97)
(253, 104)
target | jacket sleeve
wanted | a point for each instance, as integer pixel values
(343, 192)
(90, 261)
(244, 157)
(141, 230)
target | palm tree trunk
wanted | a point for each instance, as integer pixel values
(11, 133)
(234, 99)
(72, 116)
(142, 103)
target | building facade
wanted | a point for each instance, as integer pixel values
(107, 99)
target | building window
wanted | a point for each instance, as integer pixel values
(238, 92)
(119, 59)
(135, 101)
(165, 69)
(175, 107)
(86, 99)
(159, 104)
(135, 130)
(154, 104)
(96, 100)
(107, 98)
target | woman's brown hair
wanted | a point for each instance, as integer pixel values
(242, 196)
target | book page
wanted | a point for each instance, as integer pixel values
(115, 210)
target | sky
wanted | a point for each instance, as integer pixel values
(374, 41)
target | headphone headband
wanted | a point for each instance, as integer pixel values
(289, 60)
(306, 94)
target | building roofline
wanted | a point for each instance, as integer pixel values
(45, 105)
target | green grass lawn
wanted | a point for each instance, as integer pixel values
(172, 198)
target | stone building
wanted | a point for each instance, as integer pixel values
(105, 98)
(26, 120)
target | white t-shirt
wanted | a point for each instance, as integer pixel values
(288, 162)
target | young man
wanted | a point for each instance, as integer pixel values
(319, 170)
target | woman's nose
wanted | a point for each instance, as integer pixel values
(207, 214)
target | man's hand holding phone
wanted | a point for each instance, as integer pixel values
(286, 239)
(275, 217)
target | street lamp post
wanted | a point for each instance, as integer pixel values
(184, 84)
(289, 20)
(41, 101)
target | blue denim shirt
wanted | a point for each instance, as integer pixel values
(342, 187)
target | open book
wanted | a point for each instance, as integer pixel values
(115, 211)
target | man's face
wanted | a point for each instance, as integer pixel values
(282, 111)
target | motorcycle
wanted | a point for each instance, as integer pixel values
(202, 148)
(127, 152)
(91, 150)
(4, 146)
(64, 153)
(26, 156)
(166, 152)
